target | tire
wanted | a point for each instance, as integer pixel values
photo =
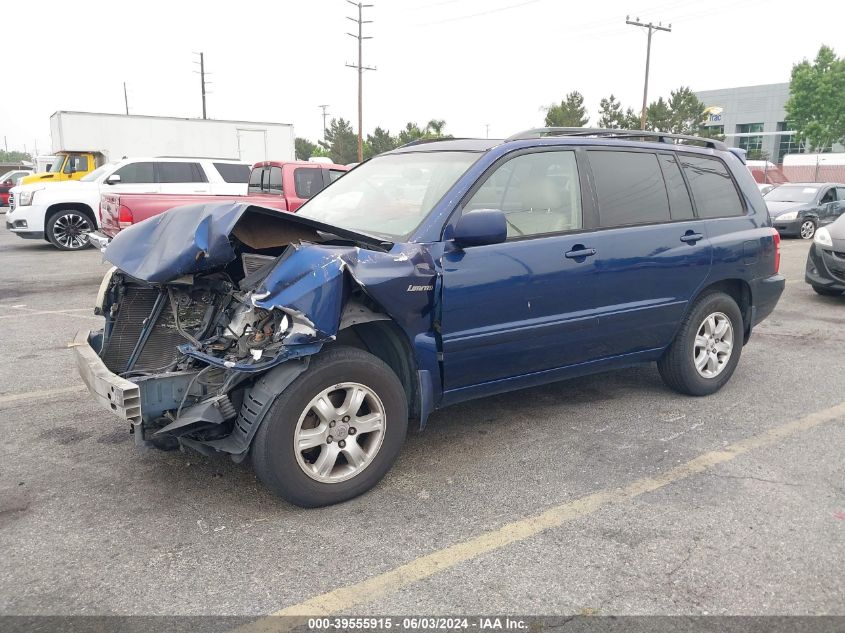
(67, 229)
(678, 365)
(807, 230)
(333, 375)
(826, 292)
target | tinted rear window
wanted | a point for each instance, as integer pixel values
(629, 187)
(180, 172)
(308, 182)
(232, 173)
(276, 180)
(712, 187)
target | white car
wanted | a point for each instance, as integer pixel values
(63, 213)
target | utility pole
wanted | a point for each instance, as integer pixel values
(486, 130)
(202, 81)
(125, 98)
(325, 114)
(361, 68)
(651, 28)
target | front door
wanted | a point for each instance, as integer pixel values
(528, 304)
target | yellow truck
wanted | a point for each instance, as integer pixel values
(68, 166)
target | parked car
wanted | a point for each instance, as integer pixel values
(64, 213)
(825, 270)
(798, 209)
(9, 180)
(429, 275)
(277, 185)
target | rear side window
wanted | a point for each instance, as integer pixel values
(180, 172)
(255, 179)
(232, 173)
(275, 180)
(307, 181)
(629, 187)
(680, 205)
(712, 187)
(136, 173)
(334, 174)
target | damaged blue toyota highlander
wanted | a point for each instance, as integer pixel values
(432, 274)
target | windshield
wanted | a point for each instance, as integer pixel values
(7, 175)
(96, 173)
(57, 165)
(792, 193)
(389, 196)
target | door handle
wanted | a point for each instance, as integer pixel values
(690, 237)
(579, 252)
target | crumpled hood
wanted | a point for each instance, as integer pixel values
(777, 208)
(196, 238)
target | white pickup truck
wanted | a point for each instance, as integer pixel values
(63, 213)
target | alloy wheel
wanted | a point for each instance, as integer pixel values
(713, 345)
(808, 229)
(340, 432)
(71, 230)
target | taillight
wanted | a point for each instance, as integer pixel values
(777, 250)
(124, 217)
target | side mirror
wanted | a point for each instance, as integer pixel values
(481, 227)
(8, 183)
(113, 179)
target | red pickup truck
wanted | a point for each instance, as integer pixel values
(282, 186)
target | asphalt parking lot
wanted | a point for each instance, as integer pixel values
(609, 494)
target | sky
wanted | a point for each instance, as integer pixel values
(472, 63)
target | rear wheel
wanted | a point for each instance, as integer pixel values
(808, 229)
(707, 348)
(334, 432)
(827, 292)
(67, 229)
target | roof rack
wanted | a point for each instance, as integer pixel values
(433, 139)
(660, 137)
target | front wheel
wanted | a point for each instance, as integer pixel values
(706, 349)
(808, 229)
(68, 230)
(334, 432)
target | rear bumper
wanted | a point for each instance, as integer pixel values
(118, 395)
(99, 240)
(765, 294)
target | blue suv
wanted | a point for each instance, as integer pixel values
(436, 273)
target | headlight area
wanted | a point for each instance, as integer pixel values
(787, 217)
(25, 197)
(823, 238)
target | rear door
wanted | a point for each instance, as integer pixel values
(651, 253)
(182, 177)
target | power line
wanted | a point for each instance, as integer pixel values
(476, 15)
(360, 21)
(651, 28)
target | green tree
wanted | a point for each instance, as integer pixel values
(14, 157)
(341, 142)
(815, 107)
(658, 116)
(434, 128)
(569, 113)
(686, 111)
(304, 149)
(610, 114)
(380, 141)
(631, 120)
(412, 132)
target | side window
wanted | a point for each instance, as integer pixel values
(840, 193)
(829, 196)
(334, 174)
(136, 173)
(80, 163)
(308, 182)
(539, 193)
(275, 183)
(232, 173)
(680, 205)
(180, 173)
(629, 187)
(712, 187)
